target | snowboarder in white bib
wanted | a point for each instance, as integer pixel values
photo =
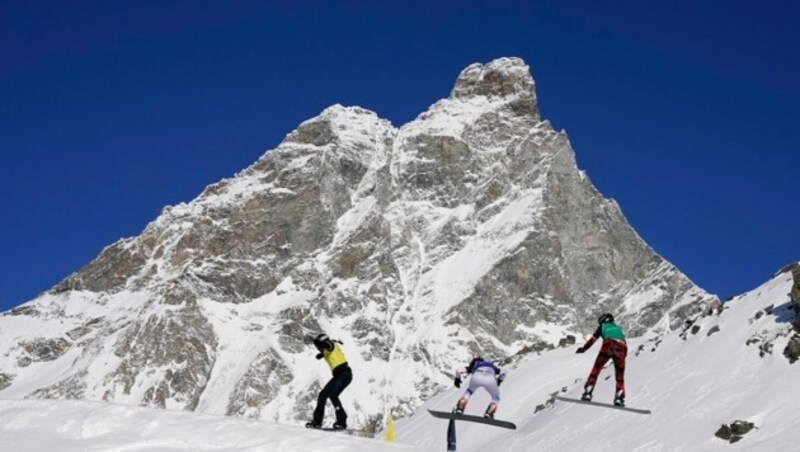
(484, 375)
(613, 348)
(331, 350)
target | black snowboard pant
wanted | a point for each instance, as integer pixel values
(342, 376)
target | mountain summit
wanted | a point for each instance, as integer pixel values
(502, 77)
(470, 229)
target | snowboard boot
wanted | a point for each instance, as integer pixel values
(619, 399)
(314, 425)
(461, 405)
(587, 393)
(341, 419)
(490, 410)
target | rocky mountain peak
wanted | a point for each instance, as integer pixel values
(336, 123)
(503, 77)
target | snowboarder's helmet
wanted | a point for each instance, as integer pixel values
(605, 318)
(321, 341)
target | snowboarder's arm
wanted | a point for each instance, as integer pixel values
(457, 379)
(471, 366)
(591, 341)
(501, 375)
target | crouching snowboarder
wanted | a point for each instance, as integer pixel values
(613, 348)
(484, 375)
(331, 350)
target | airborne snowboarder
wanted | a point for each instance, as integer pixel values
(484, 375)
(331, 350)
(615, 348)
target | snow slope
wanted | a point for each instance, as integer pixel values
(68, 426)
(726, 365)
(692, 381)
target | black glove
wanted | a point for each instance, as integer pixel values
(580, 350)
(320, 355)
(457, 382)
(499, 381)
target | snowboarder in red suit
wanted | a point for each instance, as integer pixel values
(614, 348)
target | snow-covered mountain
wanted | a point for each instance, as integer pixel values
(729, 366)
(468, 229)
(735, 362)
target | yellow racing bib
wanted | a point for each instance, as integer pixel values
(335, 357)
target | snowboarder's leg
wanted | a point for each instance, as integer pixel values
(341, 382)
(332, 389)
(341, 418)
(602, 359)
(620, 352)
(319, 411)
(461, 405)
(490, 410)
(488, 382)
(474, 384)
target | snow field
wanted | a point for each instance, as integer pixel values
(69, 426)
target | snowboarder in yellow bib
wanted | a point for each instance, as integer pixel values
(331, 351)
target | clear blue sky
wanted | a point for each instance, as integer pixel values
(687, 113)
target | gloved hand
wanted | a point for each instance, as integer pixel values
(580, 350)
(457, 382)
(320, 355)
(499, 381)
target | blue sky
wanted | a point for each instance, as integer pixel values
(687, 113)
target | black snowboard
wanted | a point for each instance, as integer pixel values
(606, 405)
(467, 417)
(451, 435)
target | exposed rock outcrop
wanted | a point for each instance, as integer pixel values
(735, 431)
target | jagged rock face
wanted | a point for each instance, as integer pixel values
(180, 343)
(469, 229)
(255, 389)
(5, 381)
(792, 349)
(794, 295)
